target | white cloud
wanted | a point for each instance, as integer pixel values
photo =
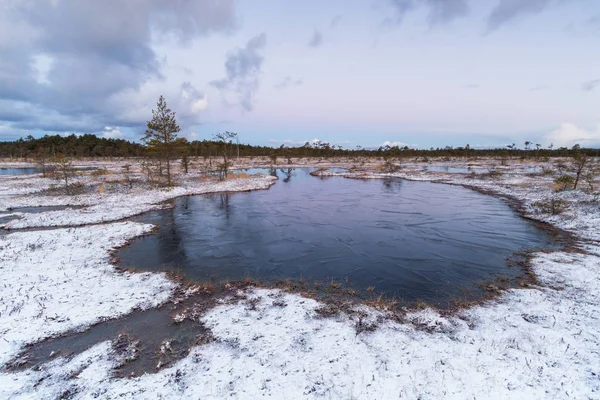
(112, 132)
(199, 105)
(41, 65)
(243, 68)
(399, 144)
(289, 142)
(134, 106)
(570, 134)
(192, 100)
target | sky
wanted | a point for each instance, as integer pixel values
(421, 73)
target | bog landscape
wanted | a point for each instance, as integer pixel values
(312, 269)
(218, 199)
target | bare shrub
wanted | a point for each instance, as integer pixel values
(222, 169)
(63, 171)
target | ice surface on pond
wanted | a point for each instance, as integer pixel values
(411, 240)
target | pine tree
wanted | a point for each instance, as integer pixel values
(161, 133)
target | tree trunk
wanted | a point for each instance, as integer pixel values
(168, 170)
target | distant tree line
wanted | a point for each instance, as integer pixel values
(70, 146)
(89, 145)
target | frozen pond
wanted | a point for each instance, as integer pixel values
(20, 171)
(412, 240)
(35, 170)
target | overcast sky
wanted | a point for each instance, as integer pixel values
(353, 72)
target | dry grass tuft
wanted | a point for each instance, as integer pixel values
(421, 305)
(383, 303)
(239, 175)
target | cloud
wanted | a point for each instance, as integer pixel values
(399, 144)
(472, 86)
(508, 10)
(539, 88)
(288, 82)
(41, 65)
(112, 132)
(569, 134)
(316, 39)
(590, 85)
(289, 142)
(445, 11)
(335, 21)
(70, 59)
(294, 143)
(243, 69)
(132, 106)
(440, 11)
(192, 101)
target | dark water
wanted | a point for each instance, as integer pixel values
(149, 328)
(40, 209)
(412, 240)
(20, 171)
(6, 216)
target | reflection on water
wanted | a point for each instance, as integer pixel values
(414, 240)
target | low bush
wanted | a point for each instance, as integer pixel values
(389, 166)
(547, 171)
(551, 206)
(563, 182)
(99, 172)
(494, 174)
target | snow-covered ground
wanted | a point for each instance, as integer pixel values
(101, 204)
(61, 279)
(541, 342)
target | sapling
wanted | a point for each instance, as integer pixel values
(161, 134)
(580, 161)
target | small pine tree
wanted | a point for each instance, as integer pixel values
(185, 162)
(161, 133)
